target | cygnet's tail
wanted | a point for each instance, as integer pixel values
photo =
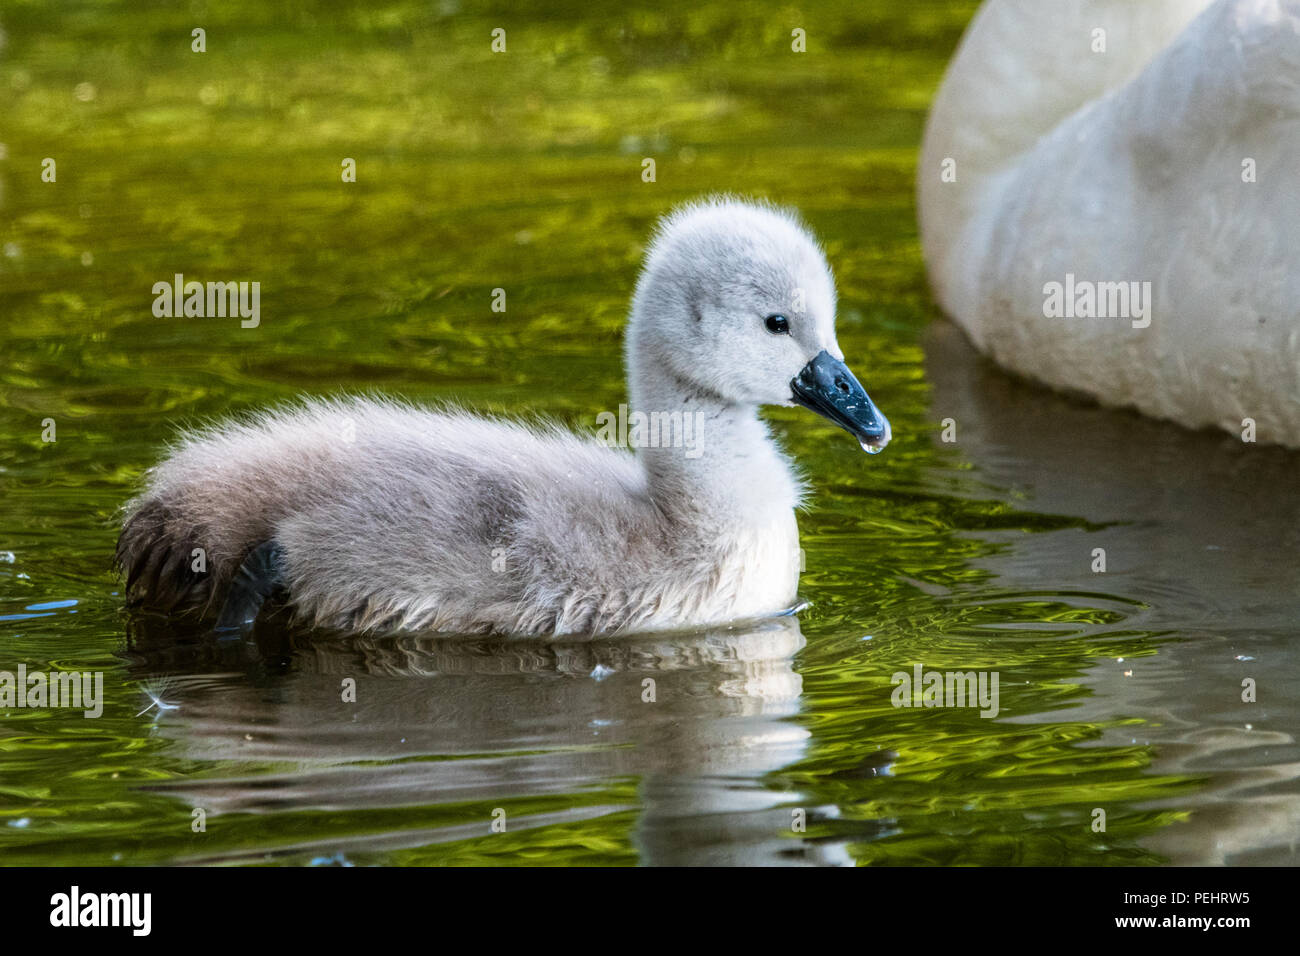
(217, 496)
(165, 565)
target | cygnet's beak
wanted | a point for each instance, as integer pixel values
(828, 387)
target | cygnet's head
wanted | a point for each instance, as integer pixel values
(736, 302)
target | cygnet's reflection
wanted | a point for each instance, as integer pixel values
(696, 718)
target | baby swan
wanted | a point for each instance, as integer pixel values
(365, 514)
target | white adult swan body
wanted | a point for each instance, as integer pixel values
(1113, 141)
(373, 515)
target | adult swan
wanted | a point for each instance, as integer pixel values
(1109, 199)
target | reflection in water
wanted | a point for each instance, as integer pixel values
(1202, 529)
(696, 718)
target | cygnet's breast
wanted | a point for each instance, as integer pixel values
(766, 566)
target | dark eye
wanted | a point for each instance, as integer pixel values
(778, 325)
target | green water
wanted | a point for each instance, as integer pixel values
(1120, 691)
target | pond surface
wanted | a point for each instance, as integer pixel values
(1120, 690)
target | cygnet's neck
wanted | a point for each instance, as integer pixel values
(719, 465)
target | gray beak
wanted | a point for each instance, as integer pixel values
(828, 387)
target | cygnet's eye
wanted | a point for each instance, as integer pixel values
(778, 325)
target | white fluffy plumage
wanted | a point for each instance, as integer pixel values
(390, 516)
(1122, 143)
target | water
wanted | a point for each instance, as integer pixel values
(1119, 690)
